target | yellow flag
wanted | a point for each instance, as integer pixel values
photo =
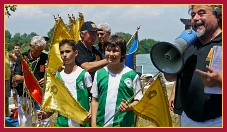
(154, 105)
(58, 98)
(60, 32)
(75, 26)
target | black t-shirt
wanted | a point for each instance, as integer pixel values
(38, 68)
(85, 55)
(100, 49)
(190, 96)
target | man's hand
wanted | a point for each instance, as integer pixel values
(41, 82)
(124, 106)
(211, 78)
(43, 115)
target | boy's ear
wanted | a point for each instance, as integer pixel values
(76, 52)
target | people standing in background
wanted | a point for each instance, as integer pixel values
(109, 97)
(47, 41)
(7, 83)
(89, 58)
(37, 60)
(197, 107)
(16, 53)
(103, 33)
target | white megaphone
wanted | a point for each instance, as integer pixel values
(167, 57)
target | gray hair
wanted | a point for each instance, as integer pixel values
(39, 41)
(82, 32)
(217, 11)
(104, 26)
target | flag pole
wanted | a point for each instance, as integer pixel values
(133, 35)
(128, 101)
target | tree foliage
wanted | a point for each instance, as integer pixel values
(9, 9)
(24, 40)
(144, 46)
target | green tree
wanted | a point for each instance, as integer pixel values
(51, 33)
(9, 9)
(8, 36)
(145, 46)
(24, 40)
(126, 37)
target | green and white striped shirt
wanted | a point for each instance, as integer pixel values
(77, 83)
(110, 89)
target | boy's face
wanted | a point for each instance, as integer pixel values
(67, 54)
(16, 49)
(113, 54)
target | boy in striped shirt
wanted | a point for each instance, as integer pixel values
(77, 80)
(113, 86)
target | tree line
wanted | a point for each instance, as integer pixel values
(23, 40)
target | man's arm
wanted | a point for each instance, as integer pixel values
(12, 57)
(94, 66)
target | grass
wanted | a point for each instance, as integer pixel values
(141, 122)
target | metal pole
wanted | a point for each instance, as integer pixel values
(133, 97)
(133, 35)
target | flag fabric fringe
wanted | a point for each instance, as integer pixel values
(35, 91)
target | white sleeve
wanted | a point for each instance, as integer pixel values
(88, 80)
(94, 89)
(137, 86)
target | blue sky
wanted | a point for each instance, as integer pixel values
(159, 22)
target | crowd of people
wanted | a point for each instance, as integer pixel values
(95, 68)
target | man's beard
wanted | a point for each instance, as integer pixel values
(200, 33)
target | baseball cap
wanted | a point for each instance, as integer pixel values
(89, 25)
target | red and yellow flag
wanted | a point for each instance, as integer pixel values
(154, 105)
(31, 82)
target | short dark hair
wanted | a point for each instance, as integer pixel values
(15, 45)
(115, 40)
(68, 42)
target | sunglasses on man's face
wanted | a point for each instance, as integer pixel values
(100, 34)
